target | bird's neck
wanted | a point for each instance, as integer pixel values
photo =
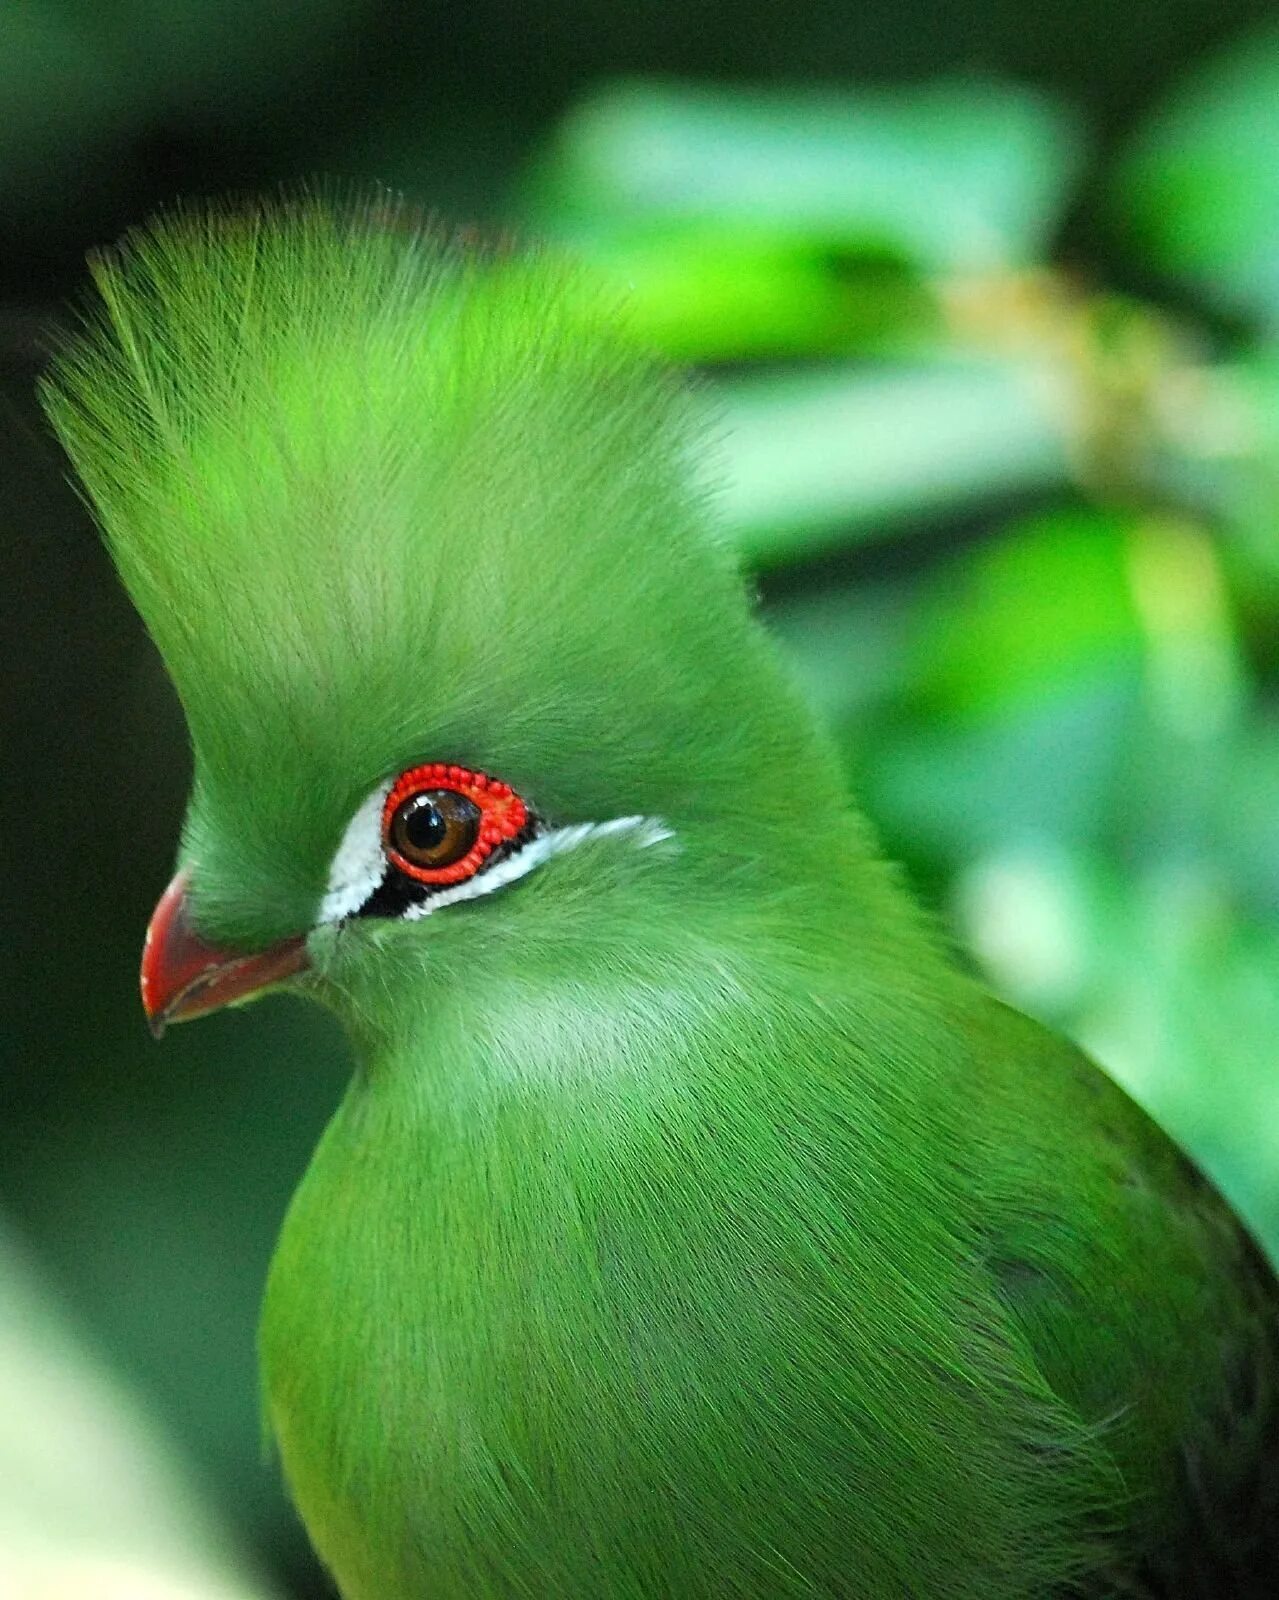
(613, 1008)
(548, 1184)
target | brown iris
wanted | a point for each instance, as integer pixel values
(435, 828)
(441, 823)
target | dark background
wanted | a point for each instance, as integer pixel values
(1087, 794)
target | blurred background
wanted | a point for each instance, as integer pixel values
(989, 311)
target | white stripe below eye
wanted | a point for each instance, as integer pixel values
(647, 831)
(359, 865)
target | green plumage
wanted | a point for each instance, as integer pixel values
(692, 1227)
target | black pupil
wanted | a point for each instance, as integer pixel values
(424, 824)
(436, 828)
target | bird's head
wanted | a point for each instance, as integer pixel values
(418, 536)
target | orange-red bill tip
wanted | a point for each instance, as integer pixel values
(184, 976)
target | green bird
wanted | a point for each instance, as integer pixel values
(693, 1227)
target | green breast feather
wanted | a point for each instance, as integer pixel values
(692, 1226)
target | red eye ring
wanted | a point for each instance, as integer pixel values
(503, 816)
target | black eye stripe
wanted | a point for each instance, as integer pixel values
(394, 895)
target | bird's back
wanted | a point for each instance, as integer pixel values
(1158, 1321)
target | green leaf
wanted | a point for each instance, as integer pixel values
(1047, 602)
(806, 461)
(1200, 186)
(709, 291)
(1048, 769)
(954, 177)
(748, 223)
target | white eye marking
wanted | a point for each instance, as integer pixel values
(647, 830)
(359, 864)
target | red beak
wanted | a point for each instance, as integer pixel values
(184, 976)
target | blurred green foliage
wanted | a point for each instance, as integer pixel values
(1014, 524)
(93, 1503)
(1199, 187)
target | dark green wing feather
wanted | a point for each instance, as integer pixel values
(1152, 1311)
(1226, 1540)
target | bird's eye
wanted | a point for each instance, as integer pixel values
(441, 823)
(435, 828)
